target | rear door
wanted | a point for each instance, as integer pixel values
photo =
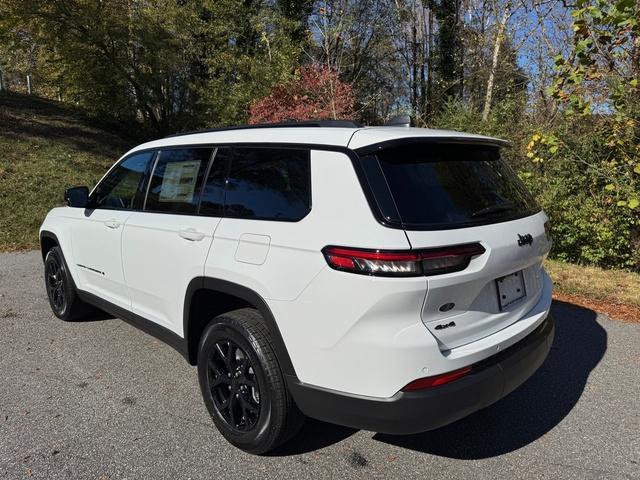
(165, 246)
(452, 194)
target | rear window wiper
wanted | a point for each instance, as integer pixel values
(500, 207)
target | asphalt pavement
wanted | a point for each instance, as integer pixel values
(102, 400)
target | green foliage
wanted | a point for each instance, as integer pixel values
(261, 56)
(450, 48)
(156, 67)
(588, 225)
(600, 80)
(592, 166)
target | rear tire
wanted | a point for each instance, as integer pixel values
(242, 385)
(61, 291)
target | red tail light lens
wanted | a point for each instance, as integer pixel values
(410, 263)
(436, 380)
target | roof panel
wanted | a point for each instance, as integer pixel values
(335, 136)
(353, 138)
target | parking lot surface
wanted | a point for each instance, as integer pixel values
(103, 400)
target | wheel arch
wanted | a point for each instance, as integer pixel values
(207, 297)
(48, 240)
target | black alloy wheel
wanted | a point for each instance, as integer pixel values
(242, 385)
(234, 386)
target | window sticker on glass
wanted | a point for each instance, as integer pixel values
(179, 182)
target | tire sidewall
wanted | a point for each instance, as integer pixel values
(221, 329)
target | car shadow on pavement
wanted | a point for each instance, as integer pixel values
(534, 408)
(314, 435)
(96, 315)
(520, 418)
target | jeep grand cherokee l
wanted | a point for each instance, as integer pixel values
(382, 278)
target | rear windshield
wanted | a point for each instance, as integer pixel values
(447, 186)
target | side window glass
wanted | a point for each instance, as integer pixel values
(118, 190)
(177, 179)
(212, 202)
(269, 184)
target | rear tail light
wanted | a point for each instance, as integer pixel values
(436, 380)
(409, 263)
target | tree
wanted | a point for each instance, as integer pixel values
(601, 78)
(355, 39)
(316, 93)
(158, 67)
(450, 49)
(502, 26)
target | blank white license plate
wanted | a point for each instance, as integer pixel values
(510, 289)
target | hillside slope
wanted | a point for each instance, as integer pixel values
(44, 148)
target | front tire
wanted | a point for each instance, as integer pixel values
(242, 385)
(61, 291)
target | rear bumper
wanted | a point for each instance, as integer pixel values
(414, 412)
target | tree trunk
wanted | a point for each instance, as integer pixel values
(429, 109)
(635, 55)
(494, 62)
(414, 63)
(423, 63)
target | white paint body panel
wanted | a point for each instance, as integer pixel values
(159, 263)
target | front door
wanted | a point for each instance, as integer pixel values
(97, 232)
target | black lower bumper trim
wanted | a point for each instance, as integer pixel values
(414, 412)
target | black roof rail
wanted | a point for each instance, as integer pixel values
(306, 123)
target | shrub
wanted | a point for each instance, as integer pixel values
(315, 93)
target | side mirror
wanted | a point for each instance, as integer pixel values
(77, 197)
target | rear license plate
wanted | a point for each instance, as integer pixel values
(510, 289)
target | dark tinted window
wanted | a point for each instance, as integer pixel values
(453, 185)
(212, 202)
(177, 179)
(118, 190)
(269, 184)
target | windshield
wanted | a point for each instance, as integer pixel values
(448, 185)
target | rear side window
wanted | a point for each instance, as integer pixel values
(268, 184)
(448, 186)
(177, 180)
(212, 202)
(122, 185)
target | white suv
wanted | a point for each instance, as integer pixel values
(382, 278)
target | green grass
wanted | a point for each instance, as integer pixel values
(45, 148)
(614, 286)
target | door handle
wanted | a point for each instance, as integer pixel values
(191, 234)
(112, 223)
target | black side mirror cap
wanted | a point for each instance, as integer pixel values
(77, 197)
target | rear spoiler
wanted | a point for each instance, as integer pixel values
(462, 140)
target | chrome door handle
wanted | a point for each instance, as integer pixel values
(191, 234)
(112, 223)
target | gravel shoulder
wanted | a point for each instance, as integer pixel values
(103, 400)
